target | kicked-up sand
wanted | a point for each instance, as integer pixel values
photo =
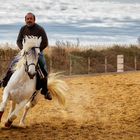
(103, 107)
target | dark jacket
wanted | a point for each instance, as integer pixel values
(35, 30)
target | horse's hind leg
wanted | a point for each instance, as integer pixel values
(14, 114)
(3, 103)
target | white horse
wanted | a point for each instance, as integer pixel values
(22, 83)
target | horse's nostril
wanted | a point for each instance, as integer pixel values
(31, 75)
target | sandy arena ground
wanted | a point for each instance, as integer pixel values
(104, 107)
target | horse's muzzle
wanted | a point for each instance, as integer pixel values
(31, 75)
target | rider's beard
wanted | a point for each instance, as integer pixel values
(30, 24)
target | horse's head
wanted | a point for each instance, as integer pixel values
(30, 53)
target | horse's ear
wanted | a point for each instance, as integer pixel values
(24, 40)
(39, 40)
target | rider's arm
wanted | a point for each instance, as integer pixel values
(44, 42)
(19, 39)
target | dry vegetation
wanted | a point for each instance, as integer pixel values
(103, 107)
(64, 55)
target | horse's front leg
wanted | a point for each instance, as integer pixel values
(4, 102)
(14, 114)
(29, 105)
(22, 123)
(13, 105)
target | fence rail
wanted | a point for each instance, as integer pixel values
(79, 65)
(89, 65)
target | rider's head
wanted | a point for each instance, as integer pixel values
(30, 19)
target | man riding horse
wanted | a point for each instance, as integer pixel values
(32, 29)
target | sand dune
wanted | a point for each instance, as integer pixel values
(104, 107)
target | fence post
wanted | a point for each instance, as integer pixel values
(88, 65)
(120, 63)
(105, 64)
(135, 62)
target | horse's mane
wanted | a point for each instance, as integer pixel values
(20, 62)
(29, 43)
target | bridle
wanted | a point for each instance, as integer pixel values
(31, 64)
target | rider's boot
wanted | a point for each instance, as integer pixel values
(45, 91)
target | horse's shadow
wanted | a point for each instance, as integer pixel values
(13, 127)
(50, 130)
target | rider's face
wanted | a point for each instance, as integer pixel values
(30, 20)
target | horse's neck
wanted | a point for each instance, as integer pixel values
(21, 85)
(19, 75)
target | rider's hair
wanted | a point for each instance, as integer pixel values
(31, 14)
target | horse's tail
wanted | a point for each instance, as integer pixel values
(57, 87)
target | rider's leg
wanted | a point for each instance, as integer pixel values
(4, 81)
(6, 78)
(43, 66)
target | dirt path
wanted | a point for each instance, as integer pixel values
(105, 107)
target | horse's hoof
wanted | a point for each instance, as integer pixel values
(1, 113)
(22, 125)
(8, 124)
